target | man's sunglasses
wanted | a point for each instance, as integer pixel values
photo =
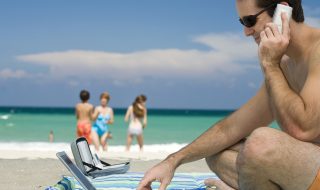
(251, 20)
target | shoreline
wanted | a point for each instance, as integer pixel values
(39, 169)
(33, 155)
(34, 150)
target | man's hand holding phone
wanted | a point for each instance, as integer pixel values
(274, 42)
(277, 15)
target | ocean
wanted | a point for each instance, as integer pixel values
(29, 127)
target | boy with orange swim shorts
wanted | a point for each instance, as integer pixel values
(84, 111)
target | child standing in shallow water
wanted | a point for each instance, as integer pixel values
(51, 137)
(84, 111)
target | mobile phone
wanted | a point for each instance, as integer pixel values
(277, 15)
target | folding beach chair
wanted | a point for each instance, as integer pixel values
(91, 165)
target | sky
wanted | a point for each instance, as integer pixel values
(182, 54)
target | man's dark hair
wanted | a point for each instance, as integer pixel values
(297, 11)
(84, 95)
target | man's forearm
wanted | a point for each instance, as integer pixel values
(209, 143)
(255, 113)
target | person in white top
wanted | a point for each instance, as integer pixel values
(137, 115)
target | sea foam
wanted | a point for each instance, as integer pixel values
(32, 149)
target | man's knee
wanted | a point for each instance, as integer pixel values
(260, 148)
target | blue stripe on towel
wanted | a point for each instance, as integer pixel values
(130, 180)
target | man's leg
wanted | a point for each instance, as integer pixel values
(271, 159)
(224, 165)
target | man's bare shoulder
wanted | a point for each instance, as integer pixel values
(84, 106)
(78, 105)
(315, 52)
(90, 106)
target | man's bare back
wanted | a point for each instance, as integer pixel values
(84, 111)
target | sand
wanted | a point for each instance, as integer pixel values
(38, 169)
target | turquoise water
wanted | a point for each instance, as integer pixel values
(164, 126)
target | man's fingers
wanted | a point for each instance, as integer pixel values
(268, 32)
(163, 185)
(285, 24)
(146, 186)
(145, 183)
(263, 35)
(274, 29)
(209, 182)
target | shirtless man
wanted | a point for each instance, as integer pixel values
(84, 111)
(268, 159)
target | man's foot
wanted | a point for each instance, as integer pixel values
(217, 184)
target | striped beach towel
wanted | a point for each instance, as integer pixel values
(130, 180)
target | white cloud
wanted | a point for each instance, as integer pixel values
(11, 74)
(223, 57)
(233, 46)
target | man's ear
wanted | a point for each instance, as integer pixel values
(284, 3)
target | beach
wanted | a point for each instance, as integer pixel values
(28, 160)
(39, 169)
